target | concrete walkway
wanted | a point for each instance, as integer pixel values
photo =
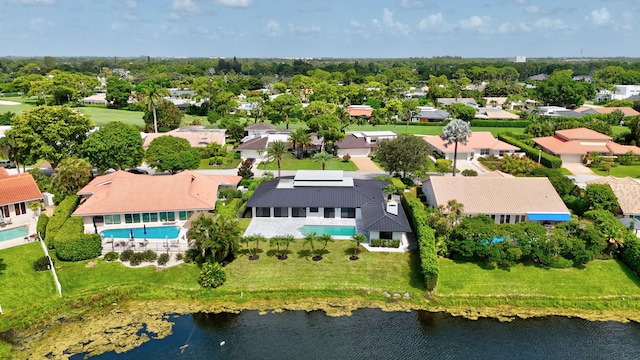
(578, 169)
(365, 164)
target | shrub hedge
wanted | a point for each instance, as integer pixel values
(397, 182)
(426, 240)
(59, 217)
(41, 227)
(385, 243)
(501, 123)
(547, 160)
(72, 244)
(630, 252)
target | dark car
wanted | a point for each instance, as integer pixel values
(138, 171)
(7, 164)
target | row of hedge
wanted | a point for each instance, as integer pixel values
(548, 160)
(41, 227)
(426, 240)
(501, 123)
(385, 243)
(59, 217)
(72, 244)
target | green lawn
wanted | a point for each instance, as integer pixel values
(600, 278)
(309, 164)
(25, 103)
(620, 171)
(204, 165)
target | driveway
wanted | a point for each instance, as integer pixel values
(365, 164)
(578, 169)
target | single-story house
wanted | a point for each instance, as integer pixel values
(496, 101)
(121, 198)
(557, 111)
(505, 198)
(429, 114)
(479, 144)
(627, 111)
(362, 143)
(627, 190)
(572, 145)
(539, 77)
(17, 192)
(255, 146)
(450, 101)
(495, 114)
(95, 99)
(360, 111)
(198, 136)
(321, 201)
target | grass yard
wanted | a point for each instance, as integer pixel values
(25, 103)
(308, 164)
(620, 171)
(600, 278)
(204, 165)
(101, 115)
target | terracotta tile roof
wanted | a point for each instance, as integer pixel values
(497, 195)
(17, 188)
(626, 189)
(360, 110)
(582, 141)
(475, 142)
(226, 179)
(196, 138)
(627, 111)
(581, 134)
(123, 192)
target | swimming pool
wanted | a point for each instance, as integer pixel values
(153, 232)
(15, 233)
(328, 229)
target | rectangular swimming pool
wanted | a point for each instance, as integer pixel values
(152, 232)
(328, 229)
(15, 233)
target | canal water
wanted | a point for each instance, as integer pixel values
(374, 334)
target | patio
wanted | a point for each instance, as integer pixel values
(269, 227)
(179, 245)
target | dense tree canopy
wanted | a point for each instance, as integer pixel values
(115, 145)
(118, 92)
(168, 116)
(170, 153)
(561, 90)
(406, 154)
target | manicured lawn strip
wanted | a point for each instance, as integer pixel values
(25, 103)
(620, 171)
(599, 279)
(204, 165)
(565, 171)
(309, 164)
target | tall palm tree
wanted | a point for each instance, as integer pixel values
(322, 157)
(299, 139)
(277, 150)
(152, 95)
(357, 239)
(215, 236)
(456, 131)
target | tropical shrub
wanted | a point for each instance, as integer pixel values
(425, 236)
(41, 227)
(111, 256)
(547, 160)
(59, 217)
(72, 244)
(126, 255)
(163, 259)
(469, 172)
(386, 243)
(149, 256)
(212, 275)
(41, 264)
(179, 256)
(137, 259)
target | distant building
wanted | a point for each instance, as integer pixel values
(572, 145)
(518, 59)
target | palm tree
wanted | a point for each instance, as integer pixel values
(358, 239)
(299, 138)
(322, 157)
(456, 131)
(71, 175)
(310, 239)
(248, 240)
(325, 239)
(279, 242)
(277, 150)
(257, 238)
(215, 236)
(287, 240)
(151, 95)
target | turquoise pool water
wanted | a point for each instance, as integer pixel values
(155, 232)
(326, 229)
(15, 233)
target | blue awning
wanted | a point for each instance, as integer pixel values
(548, 216)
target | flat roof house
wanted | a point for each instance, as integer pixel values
(572, 145)
(479, 144)
(326, 202)
(362, 143)
(505, 198)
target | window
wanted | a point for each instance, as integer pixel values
(21, 208)
(153, 217)
(263, 212)
(348, 213)
(501, 219)
(508, 219)
(136, 218)
(146, 217)
(386, 235)
(112, 219)
(493, 217)
(182, 215)
(313, 209)
(128, 219)
(329, 212)
(4, 211)
(167, 216)
(280, 212)
(299, 212)
(484, 152)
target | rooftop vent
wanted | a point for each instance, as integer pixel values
(392, 207)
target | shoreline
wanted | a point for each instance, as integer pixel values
(84, 332)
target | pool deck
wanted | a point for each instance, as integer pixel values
(270, 227)
(29, 223)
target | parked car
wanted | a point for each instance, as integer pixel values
(7, 164)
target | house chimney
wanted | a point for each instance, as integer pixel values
(392, 207)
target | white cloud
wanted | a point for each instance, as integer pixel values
(475, 23)
(521, 2)
(34, 2)
(303, 30)
(131, 17)
(547, 24)
(118, 26)
(184, 7)
(273, 28)
(39, 24)
(599, 17)
(434, 22)
(234, 3)
(129, 4)
(411, 4)
(532, 9)
(389, 24)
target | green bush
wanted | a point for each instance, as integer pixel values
(41, 264)
(41, 227)
(179, 256)
(212, 275)
(126, 255)
(230, 209)
(137, 259)
(398, 184)
(163, 259)
(72, 244)
(385, 243)
(630, 252)
(59, 217)
(149, 256)
(500, 123)
(469, 172)
(547, 160)
(229, 193)
(425, 236)
(111, 256)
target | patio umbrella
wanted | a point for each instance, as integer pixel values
(95, 227)
(144, 230)
(131, 233)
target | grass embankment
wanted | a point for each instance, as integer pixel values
(308, 164)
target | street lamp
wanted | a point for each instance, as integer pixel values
(539, 155)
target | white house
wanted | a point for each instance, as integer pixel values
(362, 143)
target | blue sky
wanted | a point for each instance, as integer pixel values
(320, 28)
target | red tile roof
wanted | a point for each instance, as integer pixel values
(581, 134)
(583, 141)
(360, 110)
(627, 111)
(477, 140)
(123, 192)
(17, 188)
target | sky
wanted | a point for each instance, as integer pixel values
(320, 28)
